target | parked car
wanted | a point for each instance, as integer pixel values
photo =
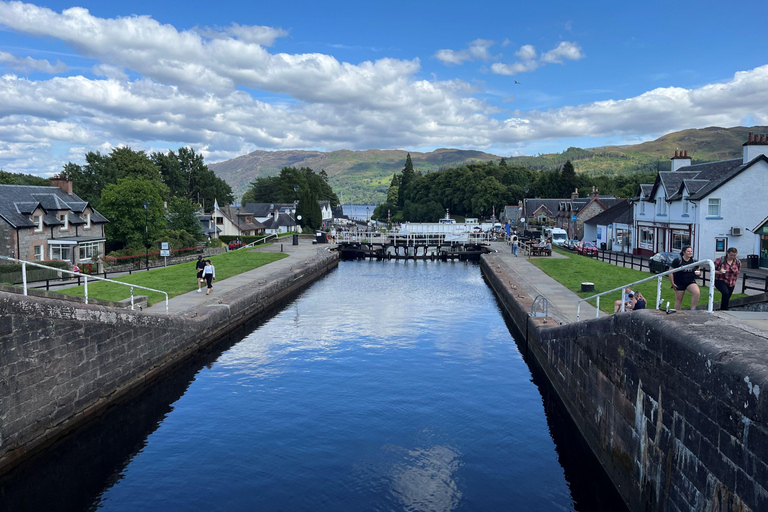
(661, 261)
(587, 249)
(571, 244)
(235, 244)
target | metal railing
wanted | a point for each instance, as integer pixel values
(260, 241)
(24, 264)
(659, 277)
(541, 301)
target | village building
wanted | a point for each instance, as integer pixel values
(235, 221)
(568, 214)
(49, 223)
(612, 229)
(709, 206)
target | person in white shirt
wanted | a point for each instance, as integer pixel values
(209, 273)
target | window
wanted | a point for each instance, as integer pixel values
(685, 207)
(87, 221)
(646, 238)
(642, 207)
(219, 221)
(622, 237)
(662, 202)
(61, 252)
(680, 239)
(38, 253)
(64, 219)
(38, 219)
(713, 208)
(89, 250)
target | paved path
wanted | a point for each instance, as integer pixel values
(562, 301)
(188, 303)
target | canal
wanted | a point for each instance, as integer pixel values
(384, 386)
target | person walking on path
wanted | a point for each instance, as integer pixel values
(685, 280)
(515, 244)
(726, 274)
(200, 266)
(209, 272)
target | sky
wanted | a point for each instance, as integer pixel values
(510, 78)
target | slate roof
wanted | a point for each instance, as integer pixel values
(620, 213)
(283, 219)
(232, 214)
(259, 209)
(17, 202)
(701, 179)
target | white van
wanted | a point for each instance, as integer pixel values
(559, 236)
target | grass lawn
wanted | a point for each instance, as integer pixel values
(576, 269)
(177, 279)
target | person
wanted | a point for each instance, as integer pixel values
(626, 298)
(75, 268)
(685, 280)
(200, 266)
(333, 235)
(209, 272)
(726, 274)
(548, 245)
(638, 301)
(515, 244)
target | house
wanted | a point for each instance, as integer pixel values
(208, 225)
(512, 214)
(280, 222)
(235, 221)
(709, 206)
(613, 227)
(568, 214)
(49, 223)
(263, 211)
(761, 242)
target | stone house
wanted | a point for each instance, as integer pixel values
(568, 214)
(613, 227)
(709, 206)
(39, 223)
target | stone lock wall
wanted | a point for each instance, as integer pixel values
(673, 406)
(62, 362)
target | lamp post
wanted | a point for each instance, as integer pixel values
(146, 233)
(367, 215)
(296, 206)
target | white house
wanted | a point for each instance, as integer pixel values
(709, 206)
(613, 227)
(234, 221)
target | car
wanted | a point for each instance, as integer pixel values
(235, 244)
(571, 244)
(587, 249)
(661, 261)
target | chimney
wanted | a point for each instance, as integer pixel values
(575, 194)
(681, 159)
(63, 183)
(754, 147)
(595, 193)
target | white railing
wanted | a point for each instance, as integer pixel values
(260, 240)
(697, 264)
(24, 264)
(399, 238)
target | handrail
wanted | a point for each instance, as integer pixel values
(24, 264)
(259, 241)
(697, 264)
(540, 300)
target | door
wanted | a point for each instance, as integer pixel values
(661, 240)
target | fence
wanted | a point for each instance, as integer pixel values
(85, 277)
(660, 278)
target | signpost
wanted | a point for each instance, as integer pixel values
(165, 251)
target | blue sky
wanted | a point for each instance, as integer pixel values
(228, 78)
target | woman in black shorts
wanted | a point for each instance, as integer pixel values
(200, 267)
(684, 281)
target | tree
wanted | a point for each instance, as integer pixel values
(182, 217)
(186, 175)
(279, 189)
(123, 204)
(406, 177)
(568, 180)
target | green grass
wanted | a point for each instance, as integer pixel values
(177, 279)
(576, 269)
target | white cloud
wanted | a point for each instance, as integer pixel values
(30, 64)
(477, 50)
(264, 36)
(528, 58)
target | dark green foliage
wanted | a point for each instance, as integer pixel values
(177, 239)
(123, 204)
(309, 209)
(568, 180)
(181, 216)
(280, 189)
(186, 175)
(9, 178)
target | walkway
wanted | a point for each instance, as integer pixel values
(188, 303)
(562, 301)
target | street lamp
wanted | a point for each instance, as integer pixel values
(296, 217)
(367, 214)
(146, 233)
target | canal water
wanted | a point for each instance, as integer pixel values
(384, 386)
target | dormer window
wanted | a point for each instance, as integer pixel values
(87, 221)
(38, 220)
(64, 219)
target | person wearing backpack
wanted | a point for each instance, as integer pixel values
(726, 274)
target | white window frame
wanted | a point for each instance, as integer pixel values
(642, 207)
(715, 204)
(60, 250)
(645, 238)
(87, 221)
(39, 252)
(38, 219)
(86, 250)
(683, 236)
(64, 217)
(685, 207)
(662, 202)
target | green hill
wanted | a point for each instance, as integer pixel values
(363, 176)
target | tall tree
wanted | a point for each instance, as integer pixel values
(568, 179)
(406, 177)
(130, 224)
(182, 217)
(186, 175)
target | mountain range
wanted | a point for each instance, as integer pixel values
(363, 177)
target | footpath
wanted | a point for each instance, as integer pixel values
(188, 304)
(561, 301)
